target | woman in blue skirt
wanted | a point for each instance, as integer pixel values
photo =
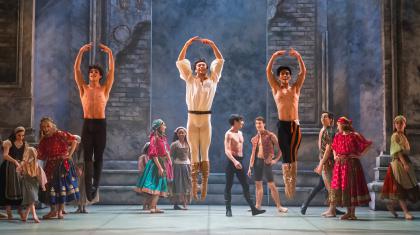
(154, 178)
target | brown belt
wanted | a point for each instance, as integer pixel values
(199, 112)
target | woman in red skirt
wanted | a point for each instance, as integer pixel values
(348, 185)
(400, 182)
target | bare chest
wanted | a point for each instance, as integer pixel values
(287, 95)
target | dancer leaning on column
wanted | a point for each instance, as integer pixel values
(200, 91)
(286, 97)
(94, 97)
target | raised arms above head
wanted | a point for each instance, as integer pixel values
(274, 84)
(78, 76)
(302, 71)
(111, 68)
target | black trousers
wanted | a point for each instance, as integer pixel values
(320, 186)
(289, 136)
(240, 174)
(93, 142)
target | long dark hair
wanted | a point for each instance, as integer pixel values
(12, 136)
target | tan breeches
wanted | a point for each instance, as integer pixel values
(199, 136)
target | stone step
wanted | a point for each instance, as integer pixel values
(124, 195)
(383, 160)
(376, 203)
(129, 178)
(380, 173)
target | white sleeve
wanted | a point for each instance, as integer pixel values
(184, 67)
(216, 68)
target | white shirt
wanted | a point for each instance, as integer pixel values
(199, 95)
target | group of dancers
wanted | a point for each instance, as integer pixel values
(175, 169)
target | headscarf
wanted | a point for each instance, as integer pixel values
(345, 121)
(156, 124)
(19, 129)
(176, 133)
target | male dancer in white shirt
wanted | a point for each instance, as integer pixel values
(200, 91)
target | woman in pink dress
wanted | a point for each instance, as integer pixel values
(348, 185)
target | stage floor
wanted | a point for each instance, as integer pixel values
(211, 220)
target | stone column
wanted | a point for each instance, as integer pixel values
(16, 70)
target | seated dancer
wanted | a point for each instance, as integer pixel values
(56, 148)
(94, 97)
(400, 182)
(348, 185)
(262, 160)
(326, 162)
(233, 149)
(153, 181)
(286, 97)
(200, 91)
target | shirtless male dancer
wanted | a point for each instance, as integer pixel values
(233, 149)
(286, 97)
(200, 90)
(94, 97)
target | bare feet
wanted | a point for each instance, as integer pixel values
(50, 215)
(353, 217)
(22, 215)
(36, 219)
(60, 216)
(282, 209)
(408, 216)
(156, 211)
(9, 215)
(392, 210)
(346, 216)
(329, 215)
(325, 212)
